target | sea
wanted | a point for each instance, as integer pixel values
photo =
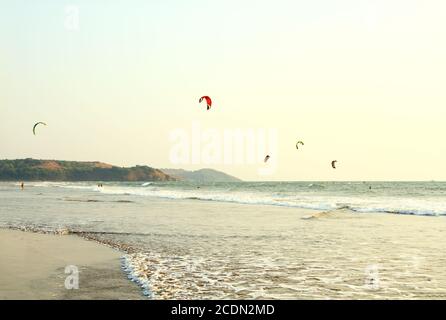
(253, 240)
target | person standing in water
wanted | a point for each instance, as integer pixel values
(22, 186)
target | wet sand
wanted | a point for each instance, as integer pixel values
(32, 266)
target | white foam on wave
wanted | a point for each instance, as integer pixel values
(430, 207)
(135, 271)
(69, 185)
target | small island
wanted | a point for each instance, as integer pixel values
(201, 176)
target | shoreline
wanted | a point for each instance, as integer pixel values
(33, 267)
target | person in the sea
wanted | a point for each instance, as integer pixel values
(22, 185)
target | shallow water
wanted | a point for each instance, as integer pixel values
(183, 248)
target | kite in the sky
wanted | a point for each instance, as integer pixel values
(266, 158)
(35, 126)
(333, 164)
(297, 144)
(208, 101)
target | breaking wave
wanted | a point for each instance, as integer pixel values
(314, 197)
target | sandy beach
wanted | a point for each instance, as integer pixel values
(32, 266)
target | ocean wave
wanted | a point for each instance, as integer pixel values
(146, 184)
(315, 200)
(95, 200)
(424, 207)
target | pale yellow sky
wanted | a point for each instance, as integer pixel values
(358, 81)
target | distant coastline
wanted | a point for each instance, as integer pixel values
(72, 171)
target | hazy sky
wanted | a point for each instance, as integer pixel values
(362, 82)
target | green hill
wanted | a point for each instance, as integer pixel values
(203, 175)
(55, 170)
